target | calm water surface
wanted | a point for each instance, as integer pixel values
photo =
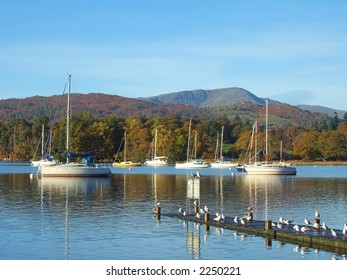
(112, 218)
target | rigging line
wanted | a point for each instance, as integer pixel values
(55, 118)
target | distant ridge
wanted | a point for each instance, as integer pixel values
(323, 110)
(208, 98)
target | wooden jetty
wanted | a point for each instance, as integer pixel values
(314, 238)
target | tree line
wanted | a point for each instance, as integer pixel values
(19, 139)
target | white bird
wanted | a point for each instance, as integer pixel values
(344, 231)
(304, 229)
(180, 211)
(250, 208)
(297, 228)
(333, 232)
(196, 203)
(273, 224)
(287, 222)
(307, 222)
(279, 225)
(184, 213)
(223, 217)
(198, 215)
(280, 220)
(206, 209)
(345, 226)
(198, 174)
(201, 211)
(242, 221)
(217, 218)
(236, 219)
(317, 215)
(324, 226)
(158, 204)
(316, 226)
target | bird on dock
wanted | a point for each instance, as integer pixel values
(158, 204)
(196, 203)
(250, 208)
(206, 209)
(344, 231)
(317, 215)
(279, 225)
(180, 210)
(287, 222)
(201, 211)
(324, 226)
(345, 226)
(236, 220)
(242, 221)
(307, 222)
(196, 175)
(184, 213)
(304, 229)
(217, 218)
(223, 217)
(198, 215)
(297, 228)
(333, 232)
(281, 220)
(316, 226)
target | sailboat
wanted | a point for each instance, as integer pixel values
(125, 162)
(267, 167)
(85, 168)
(192, 162)
(44, 160)
(221, 163)
(156, 160)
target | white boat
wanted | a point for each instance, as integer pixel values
(44, 160)
(221, 163)
(125, 162)
(192, 162)
(85, 168)
(156, 160)
(267, 167)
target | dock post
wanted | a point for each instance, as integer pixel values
(157, 212)
(268, 225)
(207, 217)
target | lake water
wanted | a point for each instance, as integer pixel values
(111, 218)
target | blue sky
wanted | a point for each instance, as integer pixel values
(292, 51)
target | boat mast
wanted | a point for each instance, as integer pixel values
(155, 143)
(190, 124)
(68, 118)
(266, 132)
(42, 142)
(221, 145)
(125, 146)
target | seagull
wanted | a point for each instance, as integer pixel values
(345, 226)
(196, 203)
(180, 211)
(217, 218)
(236, 219)
(250, 208)
(198, 215)
(317, 215)
(206, 209)
(201, 211)
(198, 174)
(158, 204)
(273, 224)
(304, 229)
(333, 232)
(316, 226)
(184, 213)
(297, 228)
(344, 231)
(279, 225)
(223, 217)
(281, 220)
(242, 221)
(325, 227)
(287, 222)
(307, 222)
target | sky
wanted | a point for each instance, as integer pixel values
(292, 51)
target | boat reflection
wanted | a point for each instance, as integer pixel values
(74, 182)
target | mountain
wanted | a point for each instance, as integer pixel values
(208, 98)
(323, 110)
(199, 104)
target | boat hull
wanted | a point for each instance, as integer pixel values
(126, 164)
(223, 165)
(192, 165)
(43, 162)
(269, 169)
(74, 170)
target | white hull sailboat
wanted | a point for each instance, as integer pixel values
(221, 163)
(45, 160)
(267, 167)
(85, 168)
(191, 163)
(156, 160)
